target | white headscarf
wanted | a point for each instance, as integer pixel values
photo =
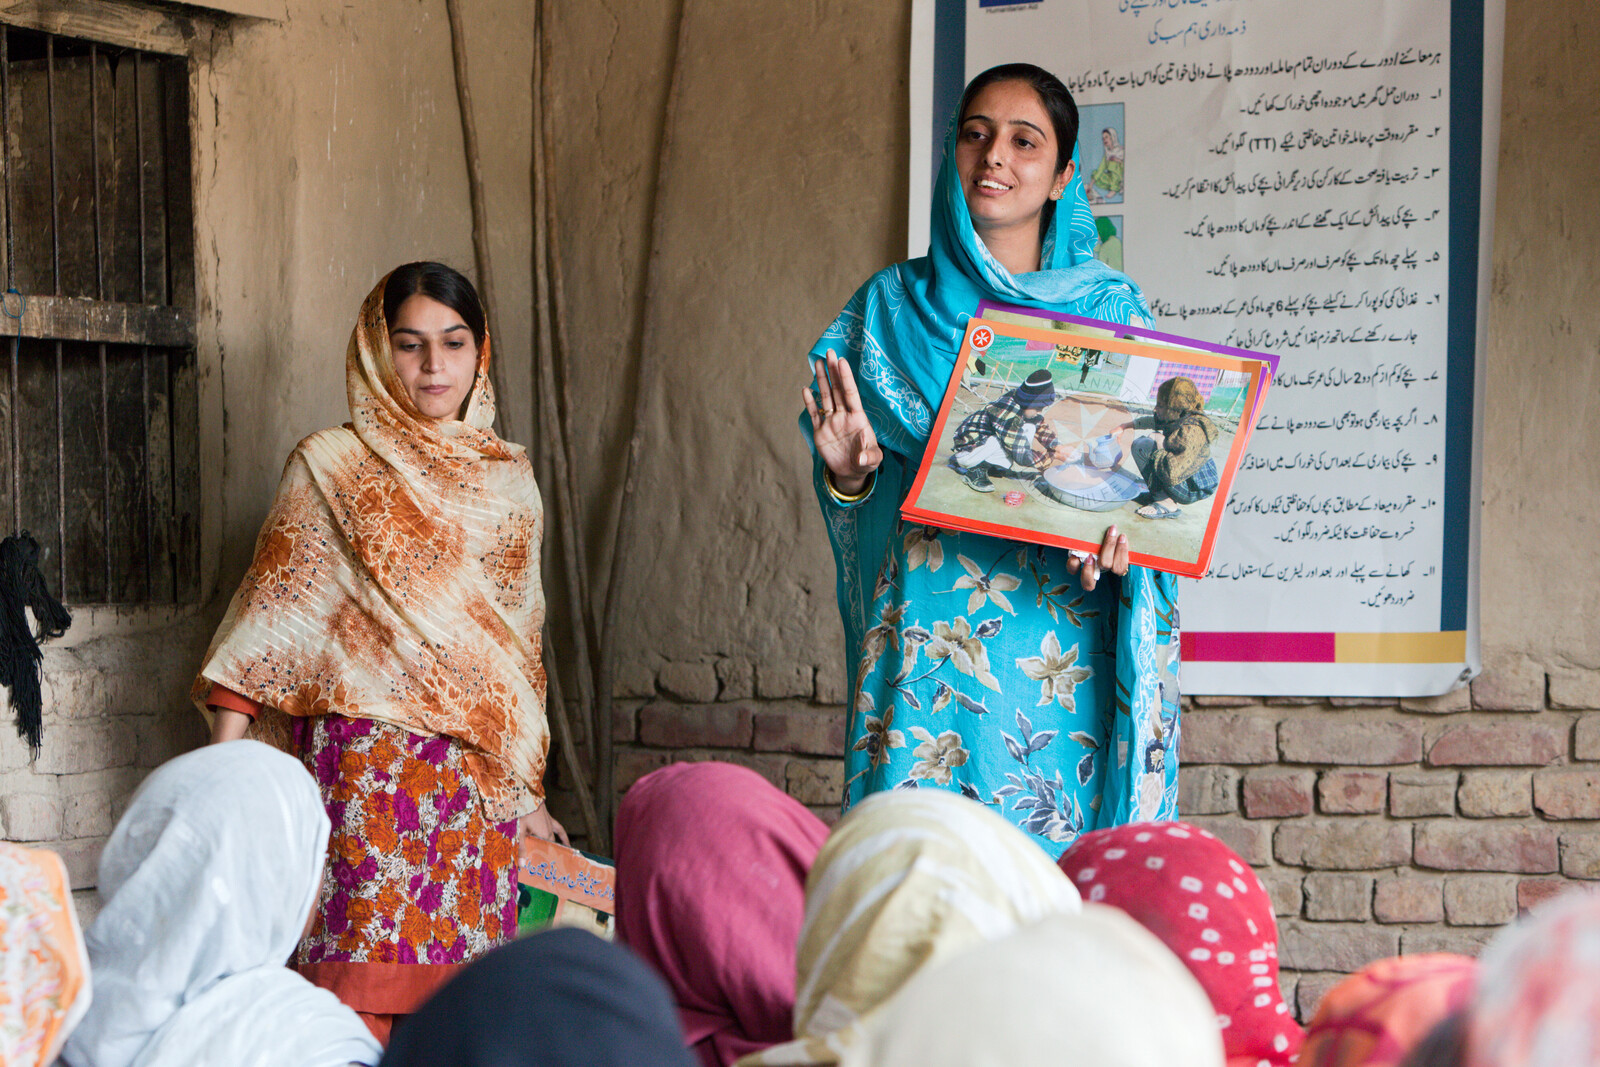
(1095, 989)
(205, 887)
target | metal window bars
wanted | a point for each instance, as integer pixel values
(99, 404)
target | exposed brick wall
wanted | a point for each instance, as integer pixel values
(1378, 826)
(1384, 826)
(784, 723)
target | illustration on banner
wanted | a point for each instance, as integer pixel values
(1101, 151)
(1108, 240)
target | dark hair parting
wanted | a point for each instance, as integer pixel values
(1057, 101)
(435, 280)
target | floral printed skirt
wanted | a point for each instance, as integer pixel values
(418, 883)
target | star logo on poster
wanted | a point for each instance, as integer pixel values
(982, 338)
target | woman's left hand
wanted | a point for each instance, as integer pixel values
(1113, 557)
(542, 824)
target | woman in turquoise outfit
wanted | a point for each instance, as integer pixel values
(1008, 672)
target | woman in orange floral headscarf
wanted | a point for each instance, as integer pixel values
(44, 970)
(389, 625)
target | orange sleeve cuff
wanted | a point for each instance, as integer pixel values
(224, 699)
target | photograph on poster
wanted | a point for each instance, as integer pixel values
(1046, 440)
(1101, 152)
(1046, 319)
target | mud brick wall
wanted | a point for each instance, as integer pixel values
(785, 723)
(1384, 827)
(106, 726)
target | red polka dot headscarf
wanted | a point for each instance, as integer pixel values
(1193, 892)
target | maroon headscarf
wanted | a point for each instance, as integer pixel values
(711, 875)
(1206, 904)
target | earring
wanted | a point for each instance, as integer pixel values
(1057, 194)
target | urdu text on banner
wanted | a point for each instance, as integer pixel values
(1315, 181)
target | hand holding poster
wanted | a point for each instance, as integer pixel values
(1049, 436)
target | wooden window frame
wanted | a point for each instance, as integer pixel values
(74, 322)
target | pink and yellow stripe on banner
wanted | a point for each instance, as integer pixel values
(1449, 646)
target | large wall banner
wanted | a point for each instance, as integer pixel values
(1316, 181)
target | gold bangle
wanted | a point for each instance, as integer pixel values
(843, 498)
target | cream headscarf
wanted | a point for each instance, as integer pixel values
(44, 971)
(908, 878)
(205, 886)
(1095, 989)
(397, 578)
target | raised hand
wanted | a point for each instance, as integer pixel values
(839, 426)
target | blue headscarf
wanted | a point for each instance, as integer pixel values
(902, 329)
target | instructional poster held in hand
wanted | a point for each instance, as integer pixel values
(1316, 181)
(1049, 436)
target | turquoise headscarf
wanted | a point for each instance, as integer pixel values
(902, 329)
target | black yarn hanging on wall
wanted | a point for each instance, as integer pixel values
(21, 588)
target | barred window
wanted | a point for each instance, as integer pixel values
(98, 396)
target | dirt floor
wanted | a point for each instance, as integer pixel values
(1177, 539)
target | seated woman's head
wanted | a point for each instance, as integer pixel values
(1018, 128)
(562, 998)
(711, 869)
(1205, 903)
(907, 878)
(436, 329)
(1384, 1014)
(205, 887)
(1177, 397)
(46, 987)
(1536, 1002)
(1095, 988)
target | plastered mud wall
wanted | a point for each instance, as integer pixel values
(784, 190)
(781, 193)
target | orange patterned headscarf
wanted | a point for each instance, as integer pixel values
(397, 578)
(1377, 1016)
(44, 970)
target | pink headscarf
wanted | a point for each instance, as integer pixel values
(711, 874)
(1375, 1017)
(1537, 1001)
(1210, 909)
